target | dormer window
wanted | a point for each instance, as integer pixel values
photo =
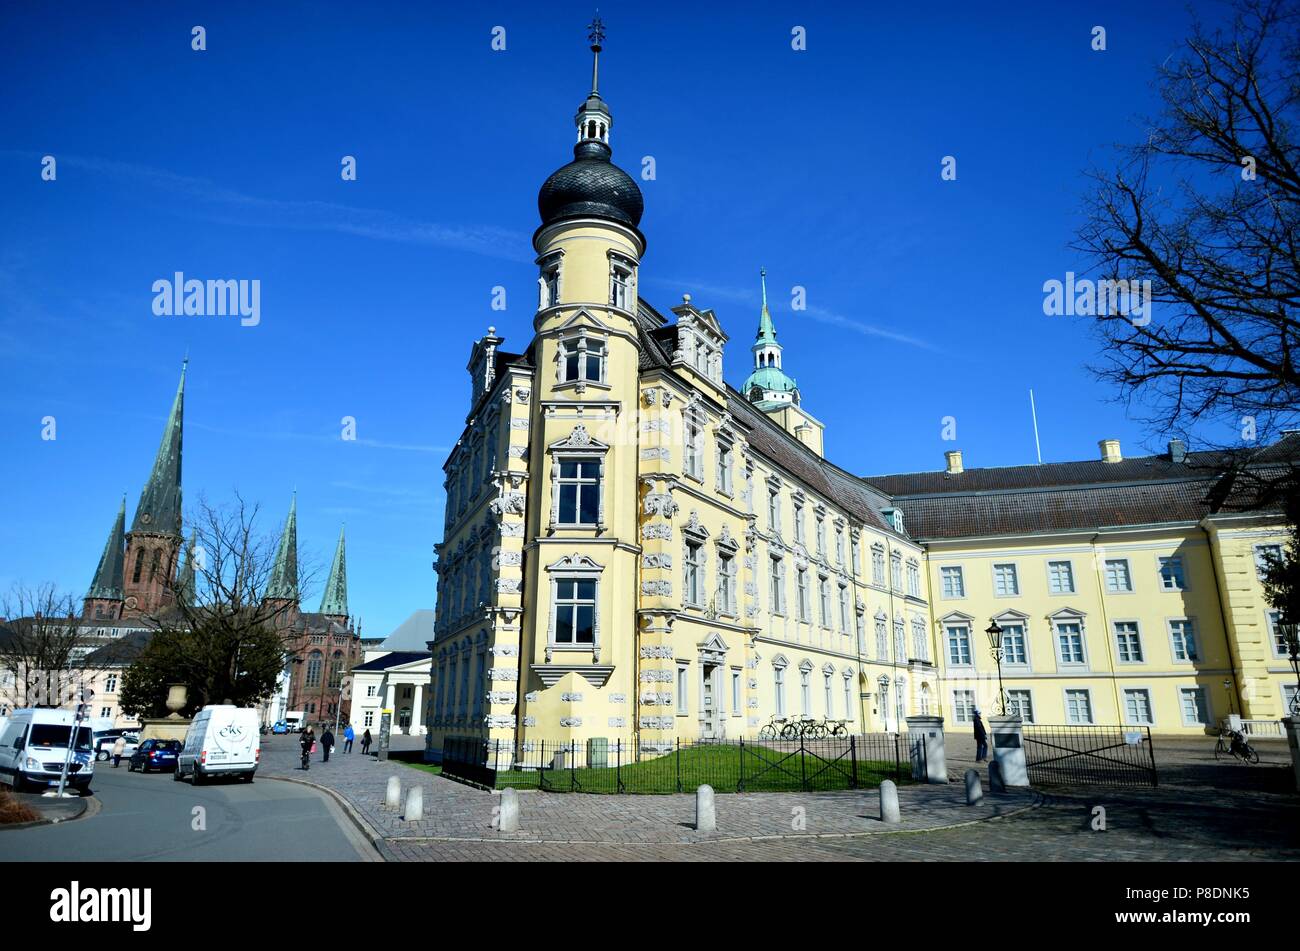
(582, 358)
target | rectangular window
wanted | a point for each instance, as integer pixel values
(683, 682)
(848, 699)
(1069, 642)
(1195, 709)
(777, 595)
(1171, 574)
(693, 588)
(878, 567)
(1264, 555)
(1060, 577)
(798, 522)
(694, 457)
(778, 674)
(839, 546)
(575, 611)
(620, 283)
(1118, 578)
(914, 579)
(1276, 636)
(853, 553)
(584, 359)
(551, 287)
(1020, 704)
(735, 693)
(726, 583)
(963, 705)
(829, 693)
(1078, 706)
(896, 571)
(1005, 582)
(774, 511)
(369, 719)
(821, 537)
(953, 585)
(805, 609)
(1137, 707)
(579, 487)
(824, 596)
(844, 609)
(1014, 650)
(1184, 639)
(959, 645)
(724, 467)
(110, 685)
(1128, 644)
(882, 640)
(805, 692)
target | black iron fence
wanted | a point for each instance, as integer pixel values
(1090, 756)
(618, 766)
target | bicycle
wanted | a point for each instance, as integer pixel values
(1233, 743)
(837, 728)
(772, 729)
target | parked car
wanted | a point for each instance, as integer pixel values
(34, 748)
(104, 743)
(279, 726)
(222, 741)
(155, 754)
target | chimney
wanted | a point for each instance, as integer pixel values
(1110, 450)
(954, 461)
(1177, 450)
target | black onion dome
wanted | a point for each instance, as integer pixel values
(590, 186)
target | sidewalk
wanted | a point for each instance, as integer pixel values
(453, 811)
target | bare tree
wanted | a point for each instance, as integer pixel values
(223, 637)
(43, 648)
(1207, 210)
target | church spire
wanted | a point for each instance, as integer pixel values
(107, 584)
(159, 510)
(284, 574)
(766, 329)
(334, 601)
(768, 386)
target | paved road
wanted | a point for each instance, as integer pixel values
(142, 818)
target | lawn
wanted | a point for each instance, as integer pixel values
(726, 767)
(427, 767)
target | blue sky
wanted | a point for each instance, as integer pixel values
(925, 296)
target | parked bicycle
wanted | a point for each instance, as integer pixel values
(1233, 743)
(798, 728)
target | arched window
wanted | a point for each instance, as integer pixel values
(155, 562)
(139, 566)
(314, 669)
(336, 670)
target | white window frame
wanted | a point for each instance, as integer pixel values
(1195, 655)
(580, 345)
(1205, 697)
(1259, 560)
(1014, 576)
(776, 585)
(694, 572)
(963, 706)
(947, 573)
(1069, 570)
(1137, 634)
(726, 453)
(1128, 575)
(573, 568)
(803, 603)
(737, 691)
(683, 685)
(1150, 701)
(1018, 699)
(1092, 710)
(778, 685)
(1182, 573)
(962, 626)
(1069, 618)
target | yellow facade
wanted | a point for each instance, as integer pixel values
(636, 551)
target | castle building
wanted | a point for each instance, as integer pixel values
(637, 551)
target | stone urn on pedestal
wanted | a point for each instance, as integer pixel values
(177, 696)
(173, 726)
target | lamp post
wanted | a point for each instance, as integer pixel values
(1291, 636)
(994, 631)
(1227, 688)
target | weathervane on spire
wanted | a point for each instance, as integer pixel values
(596, 32)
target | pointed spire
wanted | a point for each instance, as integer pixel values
(159, 509)
(766, 329)
(107, 583)
(335, 599)
(284, 574)
(187, 586)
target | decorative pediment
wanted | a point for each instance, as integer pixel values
(713, 648)
(724, 539)
(956, 616)
(576, 562)
(582, 320)
(595, 674)
(1012, 615)
(828, 668)
(780, 661)
(805, 665)
(1067, 614)
(579, 441)
(694, 527)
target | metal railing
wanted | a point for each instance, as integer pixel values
(614, 767)
(1076, 755)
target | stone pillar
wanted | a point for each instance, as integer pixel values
(417, 711)
(1009, 749)
(1292, 727)
(925, 745)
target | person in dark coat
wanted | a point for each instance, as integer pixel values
(327, 743)
(307, 740)
(365, 742)
(981, 740)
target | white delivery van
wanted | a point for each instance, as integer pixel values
(223, 740)
(34, 747)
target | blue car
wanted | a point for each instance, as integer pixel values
(279, 727)
(155, 754)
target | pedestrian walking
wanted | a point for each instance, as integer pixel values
(981, 739)
(119, 748)
(308, 743)
(365, 742)
(327, 744)
(349, 735)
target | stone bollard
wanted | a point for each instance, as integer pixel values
(706, 813)
(414, 804)
(996, 784)
(889, 811)
(508, 811)
(974, 791)
(393, 798)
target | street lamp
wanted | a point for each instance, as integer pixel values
(994, 631)
(1227, 688)
(1290, 632)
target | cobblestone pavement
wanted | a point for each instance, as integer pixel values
(1197, 821)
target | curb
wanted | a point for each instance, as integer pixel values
(85, 812)
(375, 838)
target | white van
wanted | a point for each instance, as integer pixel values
(34, 747)
(223, 741)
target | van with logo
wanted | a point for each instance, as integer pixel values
(34, 748)
(223, 740)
